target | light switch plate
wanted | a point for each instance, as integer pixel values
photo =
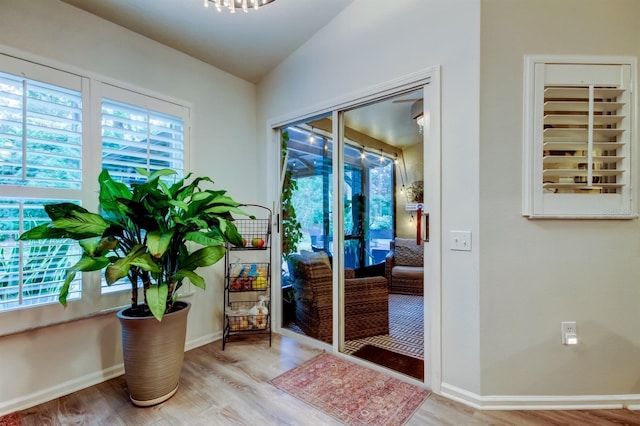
(460, 240)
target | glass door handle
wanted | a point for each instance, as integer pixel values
(426, 227)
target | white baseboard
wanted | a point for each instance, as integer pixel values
(83, 382)
(537, 402)
(201, 341)
(61, 389)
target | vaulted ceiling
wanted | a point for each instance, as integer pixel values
(247, 45)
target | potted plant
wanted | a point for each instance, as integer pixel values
(156, 235)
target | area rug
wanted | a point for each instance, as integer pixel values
(406, 331)
(401, 363)
(354, 395)
(12, 419)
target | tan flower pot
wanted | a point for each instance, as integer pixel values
(153, 354)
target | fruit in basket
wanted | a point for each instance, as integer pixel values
(260, 283)
(257, 242)
(244, 242)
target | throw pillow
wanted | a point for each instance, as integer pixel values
(312, 257)
(409, 255)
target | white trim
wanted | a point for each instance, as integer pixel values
(92, 302)
(65, 388)
(429, 78)
(83, 382)
(540, 402)
(536, 204)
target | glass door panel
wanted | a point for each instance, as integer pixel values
(306, 200)
(379, 140)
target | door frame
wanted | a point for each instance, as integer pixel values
(429, 81)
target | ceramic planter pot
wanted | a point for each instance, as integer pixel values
(153, 353)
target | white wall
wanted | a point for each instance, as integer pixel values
(52, 360)
(366, 46)
(536, 273)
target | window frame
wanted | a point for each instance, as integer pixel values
(92, 301)
(588, 206)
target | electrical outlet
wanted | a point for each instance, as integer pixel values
(569, 333)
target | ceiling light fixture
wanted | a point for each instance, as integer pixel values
(417, 113)
(232, 5)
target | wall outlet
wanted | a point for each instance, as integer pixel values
(569, 333)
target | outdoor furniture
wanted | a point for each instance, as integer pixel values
(404, 267)
(366, 302)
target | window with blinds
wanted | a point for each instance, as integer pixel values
(32, 272)
(40, 155)
(52, 149)
(40, 134)
(579, 140)
(137, 136)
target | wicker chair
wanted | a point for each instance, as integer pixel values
(366, 303)
(404, 267)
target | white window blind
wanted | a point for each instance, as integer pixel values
(579, 136)
(32, 272)
(138, 137)
(40, 133)
(136, 133)
(40, 153)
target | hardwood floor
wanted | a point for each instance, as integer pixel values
(231, 387)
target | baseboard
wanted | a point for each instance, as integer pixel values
(201, 341)
(537, 402)
(83, 382)
(62, 389)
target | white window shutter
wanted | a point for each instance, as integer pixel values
(579, 139)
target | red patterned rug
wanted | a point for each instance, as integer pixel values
(12, 419)
(351, 393)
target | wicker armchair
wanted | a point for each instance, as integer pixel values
(404, 267)
(366, 303)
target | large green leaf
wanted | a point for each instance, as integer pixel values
(86, 263)
(157, 299)
(225, 209)
(137, 256)
(205, 238)
(80, 225)
(44, 231)
(195, 279)
(158, 242)
(110, 190)
(98, 246)
(60, 210)
(205, 256)
(231, 232)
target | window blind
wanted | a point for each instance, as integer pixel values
(135, 137)
(40, 134)
(581, 144)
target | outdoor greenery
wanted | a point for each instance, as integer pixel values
(291, 228)
(146, 234)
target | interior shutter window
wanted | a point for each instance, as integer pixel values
(578, 150)
(40, 134)
(138, 137)
(32, 272)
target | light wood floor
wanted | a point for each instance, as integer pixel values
(231, 387)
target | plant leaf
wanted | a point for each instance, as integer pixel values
(195, 279)
(157, 299)
(205, 238)
(81, 225)
(158, 242)
(86, 263)
(205, 256)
